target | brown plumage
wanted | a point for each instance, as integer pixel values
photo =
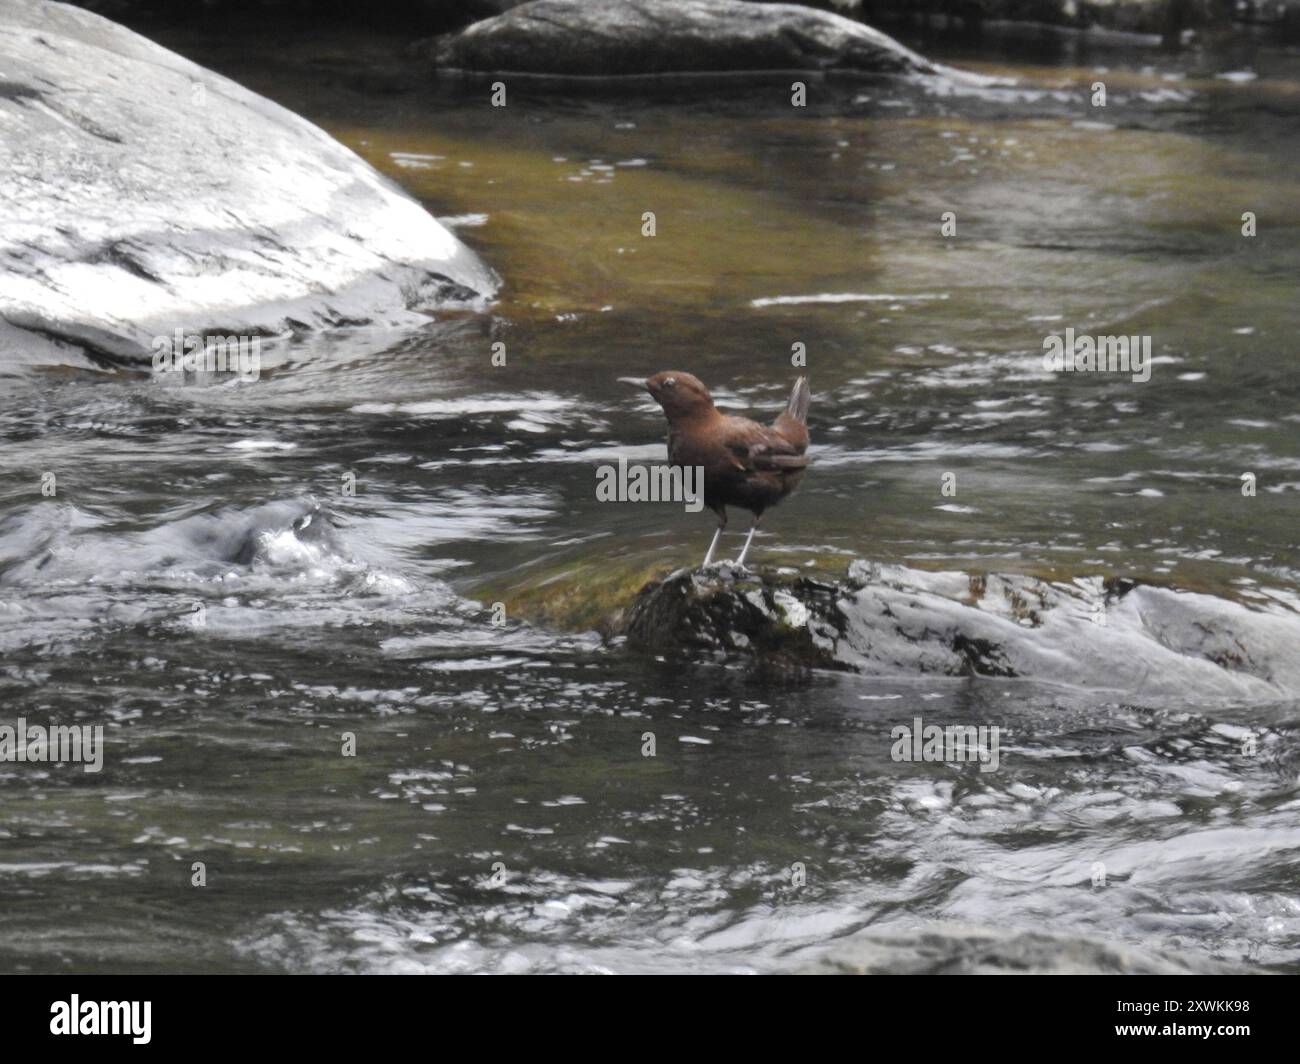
(745, 464)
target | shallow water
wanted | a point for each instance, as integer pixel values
(499, 814)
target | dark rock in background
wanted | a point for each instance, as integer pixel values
(614, 38)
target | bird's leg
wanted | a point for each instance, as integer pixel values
(740, 562)
(708, 557)
(722, 523)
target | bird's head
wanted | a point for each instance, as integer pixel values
(681, 394)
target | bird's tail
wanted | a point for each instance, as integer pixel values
(800, 397)
(792, 422)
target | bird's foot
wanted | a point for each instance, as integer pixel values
(726, 568)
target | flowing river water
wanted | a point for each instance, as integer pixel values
(499, 814)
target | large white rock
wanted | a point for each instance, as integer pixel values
(141, 194)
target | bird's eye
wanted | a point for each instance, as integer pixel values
(670, 382)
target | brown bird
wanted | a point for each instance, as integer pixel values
(745, 464)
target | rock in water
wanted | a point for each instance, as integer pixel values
(141, 194)
(723, 611)
(956, 949)
(1109, 635)
(616, 38)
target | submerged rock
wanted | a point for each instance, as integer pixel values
(618, 38)
(894, 621)
(954, 950)
(141, 194)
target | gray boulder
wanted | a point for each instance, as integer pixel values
(141, 194)
(618, 38)
(889, 620)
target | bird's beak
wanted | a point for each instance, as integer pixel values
(636, 382)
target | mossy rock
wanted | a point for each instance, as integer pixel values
(725, 611)
(576, 596)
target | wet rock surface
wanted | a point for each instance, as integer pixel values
(141, 194)
(782, 623)
(953, 950)
(619, 38)
(895, 621)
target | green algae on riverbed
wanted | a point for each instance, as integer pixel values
(573, 596)
(566, 228)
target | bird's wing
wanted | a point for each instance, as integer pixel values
(757, 448)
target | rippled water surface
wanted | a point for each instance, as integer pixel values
(499, 814)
